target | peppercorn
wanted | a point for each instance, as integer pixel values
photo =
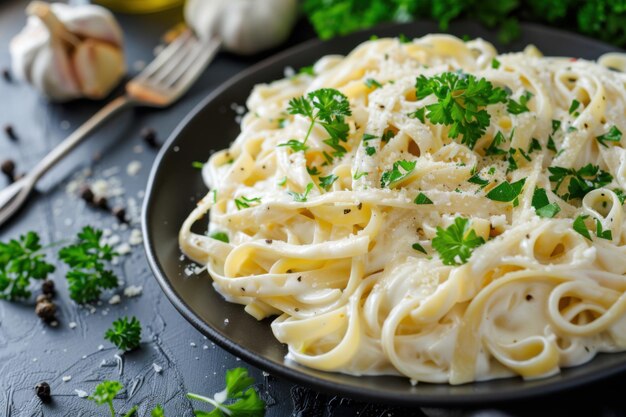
(46, 310)
(8, 168)
(43, 298)
(42, 390)
(101, 202)
(86, 194)
(47, 287)
(10, 132)
(120, 213)
(150, 137)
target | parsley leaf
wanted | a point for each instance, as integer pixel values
(327, 182)
(124, 333)
(556, 124)
(506, 192)
(534, 146)
(301, 198)
(575, 104)
(460, 98)
(370, 150)
(419, 114)
(542, 204)
(313, 171)
(221, 236)
(372, 83)
(603, 234)
(358, 174)
(244, 202)
(401, 170)
(581, 181)
(493, 149)
(88, 276)
(21, 261)
(620, 195)
(613, 135)
(419, 248)
(456, 243)
(422, 199)
(244, 400)
(475, 179)
(295, 145)
(157, 411)
(495, 64)
(105, 393)
(580, 227)
(515, 107)
(197, 164)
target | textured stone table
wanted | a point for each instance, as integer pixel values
(31, 351)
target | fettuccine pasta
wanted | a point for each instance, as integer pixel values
(427, 208)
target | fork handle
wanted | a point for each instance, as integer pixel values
(78, 136)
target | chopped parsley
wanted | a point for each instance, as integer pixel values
(422, 199)
(221, 236)
(493, 148)
(551, 145)
(613, 135)
(475, 179)
(295, 145)
(556, 124)
(197, 164)
(542, 204)
(574, 106)
(456, 243)
(244, 202)
(495, 64)
(358, 174)
(372, 83)
(387, 136)
(581, 181)
(460, 98)
(301, 197)
(327, 182)
(580, 227)
(105, 393)
(507, 192)
(282, 182)
(534, 146)
(401, 169)
(313, 171)
(419, 248)
(515, 107)
(370, 150)
(419, 114)
(603, 234)
(308, 70)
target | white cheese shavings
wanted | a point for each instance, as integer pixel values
(66, 378)
(116, 299)
(133, 168)
(157, 368)
(133, 290)
(81, 393)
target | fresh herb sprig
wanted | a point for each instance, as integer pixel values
(124, 333)
(456, 243)
(399, 171)
(461, 99)
(105, 393)
(507, 192)
(20, 261)
(87, 259)
(301, 197)
(613, 135)
(241, 400)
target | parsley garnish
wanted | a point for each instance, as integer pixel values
(542, 204)
(301, 198)
(422, 199)
(372, 83)
(197, 164)
(419, 248)
(580, 227)
(327, 182)
(157, 411)
(551, 145)
(221, 236)
(460, 97)
(88, 276)
(295, 144)
(124, 333)
(368, 136)
(387, 136)
(511, 160)
(308, 70)
(493, 149)
(370, 150)
(556, 124)
(475, 179)
(620, 195)
(105, 393)
(21, 261)
(515, 107)
(328, 108)
(244, 400)
(358, 174)
(313, 171)
(575, 104)
(456, 243)
(401, 169)
(534, 146)
(495, 64)
(244, 202)
(506, 192)
(419, 114)
(282, 182)
(613, 135)
(603, 234)
(582, 181)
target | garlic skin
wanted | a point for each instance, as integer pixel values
(244, 26)
(68, 52)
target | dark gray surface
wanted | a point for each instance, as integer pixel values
(31, 351)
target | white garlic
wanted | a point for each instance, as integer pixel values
(68, 52)
(244, 26)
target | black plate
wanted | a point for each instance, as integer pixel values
(174, 184)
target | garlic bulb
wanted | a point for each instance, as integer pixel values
(244, 26)
(68, 52)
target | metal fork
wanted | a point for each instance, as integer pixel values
(160, 84)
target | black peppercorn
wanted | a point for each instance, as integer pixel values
(43, 298)
(47, 287)
(120, 213)
(150, 137)
(6, 74)
(101, 202)
(10, 132)
(46, 310)
(8, 168)
(43, 392)
(86, 194)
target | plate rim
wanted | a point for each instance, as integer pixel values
(292, 374)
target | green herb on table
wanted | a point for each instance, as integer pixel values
(87, 259)
(399, 171)
(542, 204)
(241, 399)
(20, 261)
(124, 333)
(301, 197)
(157, 411)
(456, 243)
(461, 101)
(105, 393)
(613, 135)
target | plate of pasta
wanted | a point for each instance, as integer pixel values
(409, 216)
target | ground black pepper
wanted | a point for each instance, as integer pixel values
(6, 74)
(150, 137)
(101, 202)
(120, 213)
(10, 132)
(86, 194)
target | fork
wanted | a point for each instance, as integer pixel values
(159, 85)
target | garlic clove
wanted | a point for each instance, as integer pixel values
(89, 21)
(52, 72)
(99, 67)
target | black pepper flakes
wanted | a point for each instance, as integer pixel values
(42, 390)
(297, 309)
(6, 74)
(8, 169)
(47, 287)
(268, 241)
(346, 211)
(120, 214)
(150, 137)
(86, 194)
(10, 132)
(360, 206)
(101, 202)
(300, 278)
(529, 297)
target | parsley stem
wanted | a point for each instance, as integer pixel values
(308, 132)
(210, 401)
(110, 403)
